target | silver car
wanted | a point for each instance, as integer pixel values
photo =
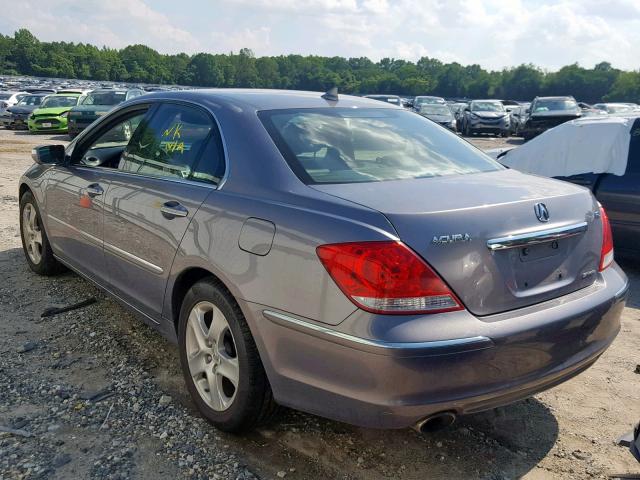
(337, 255)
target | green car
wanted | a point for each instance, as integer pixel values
(53, 112)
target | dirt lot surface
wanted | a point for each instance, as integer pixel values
(94, 393)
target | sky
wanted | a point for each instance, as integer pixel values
(492, 33)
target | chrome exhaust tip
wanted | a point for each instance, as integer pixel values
(435, 422)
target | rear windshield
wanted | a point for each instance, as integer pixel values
(345, 145)
(5, 96)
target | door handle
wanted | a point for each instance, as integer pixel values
(173, 209)
(94, 190)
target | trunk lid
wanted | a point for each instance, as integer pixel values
(450, 220)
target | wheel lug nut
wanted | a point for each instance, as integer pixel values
(208, 359)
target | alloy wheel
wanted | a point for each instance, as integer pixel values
(212, 356)
(32, 233)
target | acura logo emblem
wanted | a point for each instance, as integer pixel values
(541, 212)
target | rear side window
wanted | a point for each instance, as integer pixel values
(345, 145)
(178, 142)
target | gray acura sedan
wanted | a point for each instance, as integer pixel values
(337, 255)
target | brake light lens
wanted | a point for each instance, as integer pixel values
(387, 277)
(606, 254)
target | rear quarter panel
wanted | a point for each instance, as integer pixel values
(290, 277)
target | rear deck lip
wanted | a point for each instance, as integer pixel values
(400, 349)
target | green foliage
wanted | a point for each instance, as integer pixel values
(25, 54)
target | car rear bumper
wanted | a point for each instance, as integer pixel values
(392, 371)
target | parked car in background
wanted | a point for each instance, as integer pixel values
(17, 115)
(95, 104)
(486, 116)
(547, 112)
(615, 108)
(392, 99)
(602, 154)
(427, 99)
(634, 106)
(52, 115)
(458, 113)
(593, 112)
(8, 99)
(325, 244)
(407, 102)
(517, 117)
(441, 114)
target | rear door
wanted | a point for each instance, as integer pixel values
(620, 196)
(171, 165)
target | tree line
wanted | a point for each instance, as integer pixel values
(24, 54)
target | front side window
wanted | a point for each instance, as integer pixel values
(171, 144)
(106, 150)
(345, 145)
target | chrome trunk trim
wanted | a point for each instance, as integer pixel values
(536, 237)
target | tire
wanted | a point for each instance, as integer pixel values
(467, 131)
(39, 255)
(204, 356)
(506, 134)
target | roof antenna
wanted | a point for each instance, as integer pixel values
(331, 95)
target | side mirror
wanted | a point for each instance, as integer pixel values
(528, 110)
(467, 109)
(48, 154)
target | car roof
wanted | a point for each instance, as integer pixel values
(264, 99)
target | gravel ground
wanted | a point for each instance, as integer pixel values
(94, 393)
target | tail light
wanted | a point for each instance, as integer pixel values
(606, 254)
(387, 277)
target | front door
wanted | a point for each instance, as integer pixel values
(75, 196)
(163, 178)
